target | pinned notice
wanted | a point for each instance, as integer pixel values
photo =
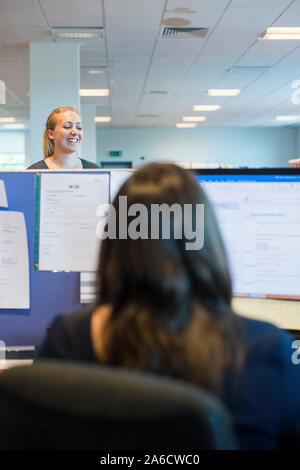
(2, 92)
(14, 264)
(68, 220)
(3, 197)
(118, 177)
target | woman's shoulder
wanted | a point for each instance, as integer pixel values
(76, 319)
(41, 165)
(69, 337)
(265, 341)
(88, 164)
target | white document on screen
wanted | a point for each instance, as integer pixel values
(14, 264)
(68, 220)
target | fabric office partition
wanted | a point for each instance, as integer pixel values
(50, 293)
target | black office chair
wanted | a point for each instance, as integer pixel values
(55, 405)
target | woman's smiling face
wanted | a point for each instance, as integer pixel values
(68, 133)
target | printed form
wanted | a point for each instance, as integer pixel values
(14, 264)
(68, 220)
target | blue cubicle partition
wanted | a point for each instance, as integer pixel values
(50, 293)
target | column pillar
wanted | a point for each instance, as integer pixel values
(54, 82)
(88, 144)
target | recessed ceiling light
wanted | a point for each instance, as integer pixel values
(7, 119)
(94, 92)
(185, 124)
(67, 32)
(206, 107)
(223, 92)
(194, 118)
(14, 126)
(78, 35)
(95, 72)
(287, 118)
(281, 33)
(102, 119)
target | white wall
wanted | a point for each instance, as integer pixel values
(253, 147)
(297, 153)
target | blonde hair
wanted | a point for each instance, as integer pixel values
(48, 144)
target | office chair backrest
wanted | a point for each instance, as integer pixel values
(55, 405)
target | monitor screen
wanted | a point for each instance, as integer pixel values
(258, 212)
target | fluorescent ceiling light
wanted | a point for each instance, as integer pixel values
(94, 92)
(185, 124)
(95, 72)
(287, 118)
(77, 32)
(206, 107)
(78, 35)
(281, 33)
(223, 92)
(14, 126)
(7, 119)
(102, 119)
(194, 118)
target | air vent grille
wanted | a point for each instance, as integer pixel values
(147, 115)
(249, 69)
(182, 33)
(157, 92)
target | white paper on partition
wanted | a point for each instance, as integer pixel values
(88, 286)
(3, 197)
(118, 177)
(88, 279)
(14, 264)
(68, 220)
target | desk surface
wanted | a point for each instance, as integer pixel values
(6, 363)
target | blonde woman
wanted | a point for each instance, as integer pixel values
(61, 140)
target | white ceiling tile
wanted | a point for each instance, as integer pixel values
(136, 13)
(12, 6)
(167, 74)
(97, 100)
(95, 56)
(21, 35)
(291, 17)
(145, 122)
(152, 104)
(73, 13)
(266, 53)
(93, 81)
(6, 54)
(203, 13)
(20, 18)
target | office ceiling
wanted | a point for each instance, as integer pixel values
(155, 80)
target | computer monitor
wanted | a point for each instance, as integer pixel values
(258, 211)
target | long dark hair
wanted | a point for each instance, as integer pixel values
(171, 307)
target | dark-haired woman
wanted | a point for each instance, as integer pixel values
(166, 309)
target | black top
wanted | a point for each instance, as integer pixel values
(263, 397)
(41, 165)
(70, 338)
